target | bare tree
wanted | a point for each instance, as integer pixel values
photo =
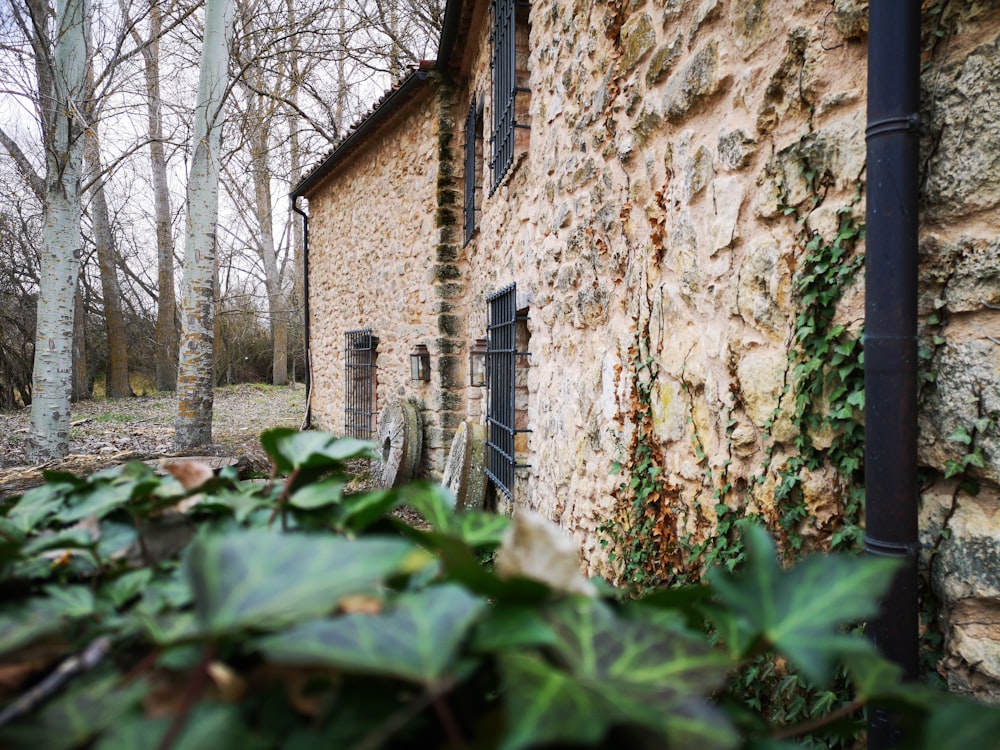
(62, 83)
(195, 383)
(166, 306)
(117, 380)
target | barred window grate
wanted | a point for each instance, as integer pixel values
(473, 138)
(359, 376)
(501, 376)
(503, 63)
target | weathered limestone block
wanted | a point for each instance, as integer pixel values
(851, 18)
(706, 11)
(682, 258)
(735, 149)
(820, 493)
(637, 39)
(964, 274)
(963, 151)
(669, 411)
(973, 631)
(974, 635)
(721, 224)
(698, 173)
(699, 79)
(834, 154)
(761, 373)
(591, 306)
(662, 61)
(966, 389)
(763, 286)
(751, 24)
(969, 559)
(789, 84)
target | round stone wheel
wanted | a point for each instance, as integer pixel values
(400, 440)
(465, 469)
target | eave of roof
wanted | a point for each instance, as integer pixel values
(455, 12)
(388, 105)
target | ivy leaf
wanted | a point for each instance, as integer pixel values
(359, 511)
(480, 528)
(417, 639)
(127, 586)
(800, 611)
(462, 566)
(75, 718)
(264, 579)
(610, 671)
(431, 500)
(958, 724)
(98, 500)
(510, 625)
(38, 504)
(291, 449)
(961, 435)
(318, 494)
(474, 527)
(217, 726)
(40, 616)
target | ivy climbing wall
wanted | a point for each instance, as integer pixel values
(684, 220)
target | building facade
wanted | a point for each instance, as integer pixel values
(653, 210)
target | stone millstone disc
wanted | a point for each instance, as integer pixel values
(400, 440)
(465, 469)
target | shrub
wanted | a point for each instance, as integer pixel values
(292, 614)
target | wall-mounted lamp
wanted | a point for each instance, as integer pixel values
(477, 363)
(420, 363)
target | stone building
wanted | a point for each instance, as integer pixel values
(657, 209)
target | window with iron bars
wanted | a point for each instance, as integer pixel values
(503, 63)
(502, 381)
(473, 154)
(360, 349)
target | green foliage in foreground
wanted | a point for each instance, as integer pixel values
(294, 615)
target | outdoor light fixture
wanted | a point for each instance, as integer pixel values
(420, 363)
(477, 363)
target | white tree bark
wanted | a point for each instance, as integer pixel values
(60, 267)
(195, 379)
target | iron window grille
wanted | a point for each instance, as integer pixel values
(473, 136)
(359, 375)
(501, 370)
(503, 63)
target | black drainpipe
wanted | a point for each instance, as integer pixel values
(891, 332)
(307, 422)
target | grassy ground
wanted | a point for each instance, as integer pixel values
(145, 423)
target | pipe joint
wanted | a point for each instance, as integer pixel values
(906, 123)
(898, 550)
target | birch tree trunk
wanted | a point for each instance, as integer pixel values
(60, 266)
(195, 381)
(166, 305)
(117, 383)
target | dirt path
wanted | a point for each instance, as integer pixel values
(145, 424)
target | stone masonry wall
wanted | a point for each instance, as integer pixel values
(681, 157)
(686, 161)
(381, 257)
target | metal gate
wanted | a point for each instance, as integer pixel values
(359, 377)
(501, 372)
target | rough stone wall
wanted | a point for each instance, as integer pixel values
(681, 157)
(960, 308)
(382, 256)
(684, 161)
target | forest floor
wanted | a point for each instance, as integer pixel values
(143, 426)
